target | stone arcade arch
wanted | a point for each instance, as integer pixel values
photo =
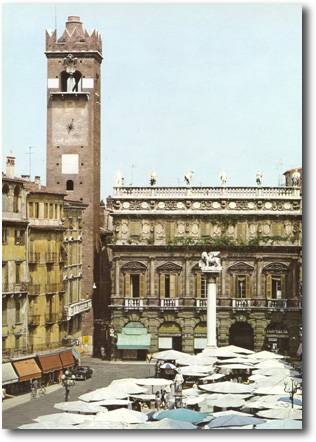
(170, 336)
(241, 334)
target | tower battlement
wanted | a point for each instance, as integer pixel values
(75, 38)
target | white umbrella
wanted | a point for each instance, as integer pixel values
(278, 424)
(46, 426)
(265, 355)
(277, 371)
(168, 366)
(166, 424)
(257, 377)
(236, 367)
(186, 392)
(263, 402)
(236, 360)
(226, 401)
(79, 407)
(63, 418)
(144, 397)
(213, 377)
(196, 370)
(234, 420)
(196, 360)
(281, 413)
(123, 415)
(276, 389)
(114, 402)
(168, 355)
(129, 385)
(270, 363)
(193, 400)
(220, 352)
(103, 393)
(227, 387)
(101, 425)
(236, 349)
(230, 412)
(154, 382)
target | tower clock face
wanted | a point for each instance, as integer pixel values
(70, 123)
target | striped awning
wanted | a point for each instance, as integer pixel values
(9, 375)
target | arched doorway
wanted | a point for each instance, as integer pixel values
(241, 335)
(170, 336)
(200, 337)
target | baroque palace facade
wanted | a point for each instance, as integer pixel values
(157, 293)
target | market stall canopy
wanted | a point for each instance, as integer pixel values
(281, 413)
(265, 355)
(230, 412)
(196, 360)
(196, 370)
(153, 382)
(101, 425)
(79, 407)
(220, 352)
(9, 375)
(166, 424)
(27, 369)
(50, 363)
(234, 420)
(213, 377)
(67, 358)
(133, 338)
(102, 394)
(182, 414)
(236, 360)
(63, 418)
(124, 415)
(227, 387)
(47, 426)
(236, 349)
(236, 367)
(169, 355)
(226, 401)
(280, 424)
(115, 402)
(168, 366)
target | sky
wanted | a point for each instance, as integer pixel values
(201, 87)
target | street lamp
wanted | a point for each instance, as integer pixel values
(291, 386)
(68, 380)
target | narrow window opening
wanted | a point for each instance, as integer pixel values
(69, 185)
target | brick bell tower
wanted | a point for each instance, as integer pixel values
(73, 137)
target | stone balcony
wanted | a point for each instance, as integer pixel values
(15, 287)
(134, 304)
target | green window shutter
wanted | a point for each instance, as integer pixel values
(173, 286)
(248, 286)
(269, 286)
(142, 284)
(162, 285)
(127, 285)
(198, 284)
(283, 286)
(233, 286)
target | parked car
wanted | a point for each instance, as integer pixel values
(82, 373)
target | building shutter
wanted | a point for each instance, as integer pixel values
(142, 284)
(127, 285)
(198, 280)
(248, 286)
(269, 286)
(283, 286)
(173, 286)
(233, 286)
(162, 285)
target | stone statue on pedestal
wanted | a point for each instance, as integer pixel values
(223, 179)
(153, 179)
(210, 262)
(259, 178)
(188, 178)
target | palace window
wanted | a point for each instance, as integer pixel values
(168, 285)
(31, 210)
(201, 285)
(16, 199)
(5, 198)
(17, 272)
(4, 312)
(241, 282)
(5, 235)
(19, 237)
(134, 285)
(69, 185)
(17, 311)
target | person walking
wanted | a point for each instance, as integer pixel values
(35, 387)
(158, 401)
(102, 351)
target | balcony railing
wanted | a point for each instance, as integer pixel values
(14, 287)
(50, 257)
(169, 303)
(34, 320)
(134, 303)
(51, 318)
(277, 304)
(243, 304)
(201, 303)
(34, 257)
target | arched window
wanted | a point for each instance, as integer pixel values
(16, 199)
(71, 83)
(5, 198)
(69, 185)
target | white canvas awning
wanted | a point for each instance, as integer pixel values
(9, 375)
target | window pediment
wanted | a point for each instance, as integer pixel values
(275, 267)
(169, 267)
(134, 266)
(241, 267)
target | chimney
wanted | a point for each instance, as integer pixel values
(37, 181)
(26, 177)
(10, 163)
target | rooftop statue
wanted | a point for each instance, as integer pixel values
(259, 178)
(188, 178)
(296, 177)
(223, 178)
(153, 178)
(210, 262)
(119, 179)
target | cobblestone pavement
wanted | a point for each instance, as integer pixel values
(105, 372)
